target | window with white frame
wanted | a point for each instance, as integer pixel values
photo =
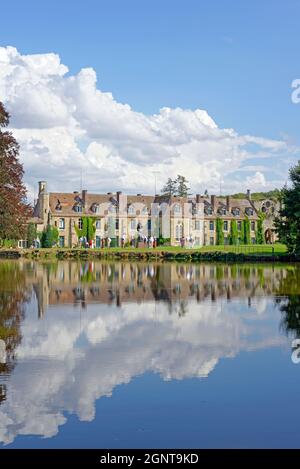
(61, 223)
(131, 210)
(78, 208)
(98, 224)
(133, 224)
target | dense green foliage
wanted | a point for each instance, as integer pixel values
(31, 234)
(259, 234)
(234, 236)
(49, 237)
(88, 229)
(274, 194)
(219, 232)
(245, 234)
(288, 225)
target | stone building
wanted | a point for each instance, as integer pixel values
(133, 217)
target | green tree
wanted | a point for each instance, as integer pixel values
(245, 238)
(31, 234)
(49, 237)
(234, 236)
(259, 235)
(182, 188)
(169, 188)
(219, 232)
(288, 222)
(14, 210)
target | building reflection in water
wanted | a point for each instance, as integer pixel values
(73, 331)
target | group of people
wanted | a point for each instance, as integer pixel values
(187, 242)
(150, 242)
(85, 243)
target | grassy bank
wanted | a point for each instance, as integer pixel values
(252, 252)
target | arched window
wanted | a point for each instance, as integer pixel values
(177, 209)
(178, 231)
(131, 209)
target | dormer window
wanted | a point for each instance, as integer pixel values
(78, 208)
(235, 211)
(222, 211)
(95, 208)
(58, 205)
(249, 211)
(131, 210)
(145, 211)
(208, 210)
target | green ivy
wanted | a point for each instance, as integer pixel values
(246, 231)
(88, 229)
(219, 232)
(234, 235)
(259, 234)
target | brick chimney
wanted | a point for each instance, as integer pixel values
(213, 202)
(84, 192)
(198, 198)
(228, 203)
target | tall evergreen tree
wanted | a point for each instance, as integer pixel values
(14, 211)
(182, 188)
(288, 225)
(169, 188)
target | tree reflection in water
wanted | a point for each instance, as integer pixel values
(13, 295)
(288, 300)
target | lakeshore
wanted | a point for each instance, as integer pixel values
(242, 253)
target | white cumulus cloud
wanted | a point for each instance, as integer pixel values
(65, 124)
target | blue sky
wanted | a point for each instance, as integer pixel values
(234, 59)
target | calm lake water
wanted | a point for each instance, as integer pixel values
(115, 354)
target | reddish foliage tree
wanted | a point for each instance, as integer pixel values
(14, 210)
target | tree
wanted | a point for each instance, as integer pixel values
(246, 231)
(31, 234)
(182, 188)
(259, 235)
(49, 237)
(178, 186)
(219, 232)
(234, 236)
(14, 210)
(169, 188)
(288, 223)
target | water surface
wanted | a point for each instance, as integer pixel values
(119, 354)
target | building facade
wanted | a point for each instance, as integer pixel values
(127, 218)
